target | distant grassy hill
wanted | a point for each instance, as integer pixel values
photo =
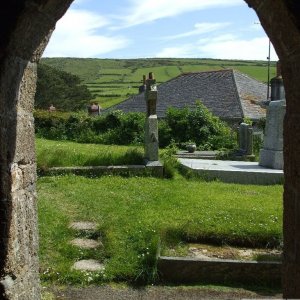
(114, 80)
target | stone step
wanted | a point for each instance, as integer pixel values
(88, 265)
(83, 226)
(86, 243)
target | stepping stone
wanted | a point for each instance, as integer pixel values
(83, 226)
(88, 265)
(86, 243)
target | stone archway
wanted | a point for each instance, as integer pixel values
(281, 21)
(25, 28)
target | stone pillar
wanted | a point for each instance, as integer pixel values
(151, 124)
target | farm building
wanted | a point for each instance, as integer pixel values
(228, 94)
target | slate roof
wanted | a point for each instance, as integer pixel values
(228, 94)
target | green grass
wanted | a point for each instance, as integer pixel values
(65, 154)
(134, 213)
(99, 74)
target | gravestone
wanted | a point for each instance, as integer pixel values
(151, 124)
(246, 139)
(271, 156)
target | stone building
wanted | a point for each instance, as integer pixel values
(228, 94)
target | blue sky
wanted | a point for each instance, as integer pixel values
(226, 29)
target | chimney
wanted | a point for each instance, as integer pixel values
(142, 88)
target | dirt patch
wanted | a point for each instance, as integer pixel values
(158, 293)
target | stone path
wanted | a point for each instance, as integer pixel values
(84, 226)
(88, 265)
(85, 243)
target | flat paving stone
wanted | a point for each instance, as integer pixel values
(82, 225)
(88, 265)
(86, 243)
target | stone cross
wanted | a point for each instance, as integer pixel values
(151, 124)
(151, 95)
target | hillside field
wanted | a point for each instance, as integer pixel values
(114, 80)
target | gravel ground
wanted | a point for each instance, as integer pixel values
(153, 293)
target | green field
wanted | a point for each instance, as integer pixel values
(114, 80)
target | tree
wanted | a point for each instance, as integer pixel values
(61, 89)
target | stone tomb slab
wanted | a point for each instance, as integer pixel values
(233, 171)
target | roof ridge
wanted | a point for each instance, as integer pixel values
(246, 75)
(210, 71)
(238, 94)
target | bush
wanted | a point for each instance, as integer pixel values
(180, 125)
(198, 125)
(113, 128)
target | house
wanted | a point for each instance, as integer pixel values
(228, 94)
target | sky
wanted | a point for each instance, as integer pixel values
(222, 29)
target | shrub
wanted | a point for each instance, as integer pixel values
(164, 133)
(198, 125)
(117, 127)
(113, 128)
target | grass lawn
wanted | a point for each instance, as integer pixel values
(133, 214)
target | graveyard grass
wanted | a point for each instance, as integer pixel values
(66, 154)
(134, 214)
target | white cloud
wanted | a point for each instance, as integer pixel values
(232, 48)
(224, 46)
(76, 36)
(151, 10)
(180, 51)
(200, 28)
